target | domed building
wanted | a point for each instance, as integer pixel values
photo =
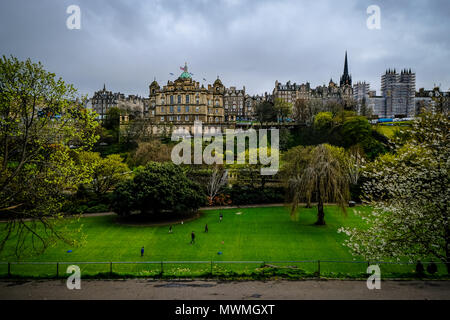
(183, 101)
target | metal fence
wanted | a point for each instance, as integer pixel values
(292, 268)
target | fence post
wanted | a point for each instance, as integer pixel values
(318, 268)
(110, 269)
(9, 269)
(162, 268)
(57, 270)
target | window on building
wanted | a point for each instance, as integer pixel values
(186, 118)
(179, 109)
(179, 98)
(170, 118)
(162, 109)
(186, 109)
(197, 118)
(171, 109)
(178, 118)
(171, 99)
(187, 98)
(197, 109)
(162, 118)
(217, 119)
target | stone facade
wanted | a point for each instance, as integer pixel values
(399, 91)
(184, 101)
(234, 104)
(291, 92)
(104, 99)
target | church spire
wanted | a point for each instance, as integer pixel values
(346, 79)
(345, 64)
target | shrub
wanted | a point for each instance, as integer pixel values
(158, 188)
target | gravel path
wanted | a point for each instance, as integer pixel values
(206, 290)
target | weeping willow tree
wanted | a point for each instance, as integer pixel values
(325, 178)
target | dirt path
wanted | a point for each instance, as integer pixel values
(209, 290)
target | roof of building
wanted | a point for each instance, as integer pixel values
(185, 74)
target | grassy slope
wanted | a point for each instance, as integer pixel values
(258, 234)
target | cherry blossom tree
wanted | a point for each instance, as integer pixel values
(409, 192)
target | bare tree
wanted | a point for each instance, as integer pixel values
(217, 180)
(355, 162)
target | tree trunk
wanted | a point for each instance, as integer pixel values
(320, 213)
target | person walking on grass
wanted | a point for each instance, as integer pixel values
(192, 237)
(206, 228)
(220, 217)
(170, 229)
(142, 251)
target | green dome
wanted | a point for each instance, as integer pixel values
(185, 75)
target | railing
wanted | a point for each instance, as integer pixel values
(290, 268)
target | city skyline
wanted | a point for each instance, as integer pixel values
(125, 45)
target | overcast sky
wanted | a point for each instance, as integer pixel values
(127, 43)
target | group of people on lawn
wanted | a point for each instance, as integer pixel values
(192, 233)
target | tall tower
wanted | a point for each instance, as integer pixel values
(346, 79)
(399, 92)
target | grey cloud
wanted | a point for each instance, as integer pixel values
(253, 43)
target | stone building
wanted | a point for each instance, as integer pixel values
(291, 92)
(234, 104)
(399, 92)
(181, 102)
(103, 100)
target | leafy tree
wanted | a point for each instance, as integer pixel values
(343, 115)
(303, 111)
(265, 112)
(112, 123)
(324, 176)
(134, 131)
(42, 127)
(365, 110)
(286, 138)
(356, 130)
(282, 108)
(409, 192)
(323, 120)
(106, 172)
(159, 188)
(294, 162)
(153, 150)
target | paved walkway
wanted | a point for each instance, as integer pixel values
(140, 289)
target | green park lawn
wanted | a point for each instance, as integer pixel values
(256, 234)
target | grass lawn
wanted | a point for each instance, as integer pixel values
(256, 234)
